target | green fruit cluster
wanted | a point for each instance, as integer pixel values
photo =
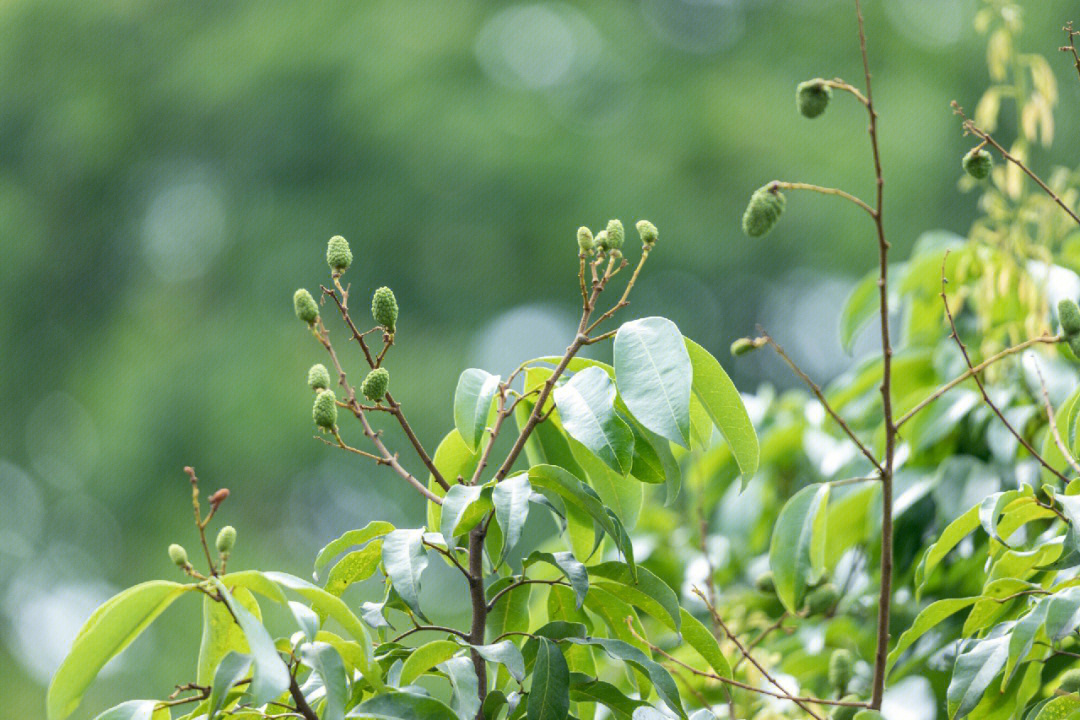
(324, 411)
(384, 309)
(305, 306)
(812, 97)
(338, 254)
(764, 210)
(375, 384)
(978, 163)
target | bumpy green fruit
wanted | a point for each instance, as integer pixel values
(846, 712)
(178, 555)
(812, 97)
(647, 231)
(318, 377)
(375, 384)
(585, 241)
(324, 411)
(384, 309)
(765, 582)
(841, 667)
(822, 599)
(1069, 316)
(338, 254)
(765, 208)
(615, 234)
(226, 539)
(1070, 681)
(1074, 345)
(978, 163)
(602, 241)
(305, 306)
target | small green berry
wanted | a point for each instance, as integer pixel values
(765, 208)
(647, 231)
(742, 346)
(305, 306)
(375, 384)
(822, 600)
(765, 582)
(585, 241)
(978, 163)
(615, 234)
(812, 97)
(338, 254)
(226, 539)
(841, 667)
(384, 309)
(846, 712)
(318, 377)
(1070, 681)
(1069, 316)
(324, 411)
(178, 555)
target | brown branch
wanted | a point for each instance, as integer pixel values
(824, 191)
(430, 628)
(449, 555)
(982, 388)
(761, 637)
(302, 706)
(839, 84)
(199, 524)
(624, 300)
(1070, 37)
(519, 583)
(814, 388)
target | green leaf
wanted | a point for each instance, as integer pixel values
(475, 392)
(453, 458)
(463, 507)
(991, 606)
(355, 567)
(654, 375)
(859, 308)
(506, 654)
(374, 529)
(1062, 613)
(306, 619)
(1022, 639)
(130, 710)
(926, 620)
(108, 631)
(722, 401)
(270, 676)
(511, 499)
(405, 559)
(797, 550)
(426, 657)
(587, 689)
(661, 678)
(586, 406)
(704, 643)
(402, 706)
(976, 667)
(549, 698)
(233, 669)
(1059, 708)
(511, 613)
(324, 660)
(956, 531)
(990, 509)
(220, 633)
(645, 591)
(567, 564)
(464, 686)
(621, 494)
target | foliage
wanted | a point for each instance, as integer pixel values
(942, 441)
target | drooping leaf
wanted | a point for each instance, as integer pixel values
(355, 567)
(463, 507)
(464, 686)
(108, 631)
(588, 689)
(306, 619)
(425, 658)
(511, 499)
(220, 633)
(475, 392)
(956, 531)
(405, 560)
(270, 676)
(233, 668)
(130, 710)
(403, 706)
(991, 508)
(926, 620)
(704, 643)
(645, 591)
(860, 307)
(717, 394)
(1062, 613)
(654, 375)
(1058, 708)
(549, 697)
(976, 667)
(660, 677)
(586, 406)
(796, 553)
(374, 529)
(566, 563)
(326, 662)
(1022, 639)
(506, 654)
(453, 458)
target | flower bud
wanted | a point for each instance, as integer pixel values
(742, 346)
(765, 582)
(615, 234)
(647, 231)
(384, 309)
(841, 667)
(1070, 681)
(226, 539)
(338, 254)
(218, 497)
(978, 163)
(305, 306)
(765, 208)
(375, 384)
(846, 712)
(602, 241)
(585, 241)
(324, 411)
(1069, 316)
(178, 555)
(822, 600)
(318, 377)
(812, 97)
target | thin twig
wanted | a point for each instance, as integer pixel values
(761, 637)
(519, 583)
(1065, 452)
(839, 84)
(430, 628)
(777, 184)
(1070, 37)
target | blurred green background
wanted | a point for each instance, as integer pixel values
(170, 172)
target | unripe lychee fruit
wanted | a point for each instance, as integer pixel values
(978, 163)
(305, 306)
(765, 208)
(812, 97)
(742, 346)
(384, 309)
(1069, 316)
(615, 234)
(178, 555)
(602, 241)
(647, 231)
(1074, 345)
(765, 582)
(338, 254)
(324, 411)
(846, 712)
(841, 668)
(226, 539)
(822, 600)
(585, 241)
(375, 384)
(318, 377)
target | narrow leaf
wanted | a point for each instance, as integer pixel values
(791, 552)
(511, 499)
(374, 529)
(549, 698)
